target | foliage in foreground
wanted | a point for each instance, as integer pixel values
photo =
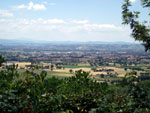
(77, 94)
(140, 30)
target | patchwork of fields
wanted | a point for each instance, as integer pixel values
(70, 70)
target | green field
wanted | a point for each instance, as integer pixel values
(50, 73)
(62, 75)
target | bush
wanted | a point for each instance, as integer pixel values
(77, 94)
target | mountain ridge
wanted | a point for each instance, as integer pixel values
(22, 41)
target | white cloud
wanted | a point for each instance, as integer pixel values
(30, 6)
(5, 13)
(58, 29)
(20, 6)
(56, 21)
(93, 28)
(41, 21)
(68, 26)
(132, 1)
(33, 6)
(102, 27)
(80, 22)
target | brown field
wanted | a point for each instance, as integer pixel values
(121, 72)
(20, 64)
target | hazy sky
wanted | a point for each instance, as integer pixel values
(64, 20)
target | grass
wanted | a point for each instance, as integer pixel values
(49, 73)
(58, 74)
(63, 73)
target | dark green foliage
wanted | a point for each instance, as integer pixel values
(140, 31)
(2, 60)
(9, 99)
(78, 94)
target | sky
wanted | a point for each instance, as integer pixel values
(64, 20)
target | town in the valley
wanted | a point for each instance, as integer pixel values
(102, 61)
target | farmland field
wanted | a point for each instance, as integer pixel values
(65, 71)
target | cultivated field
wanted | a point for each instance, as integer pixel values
(65, 72)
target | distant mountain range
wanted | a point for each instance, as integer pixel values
(11, 41)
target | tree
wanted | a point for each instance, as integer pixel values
(2, 60)
(125, 69)
(140, 30)
(52, 67)
(71, 71)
